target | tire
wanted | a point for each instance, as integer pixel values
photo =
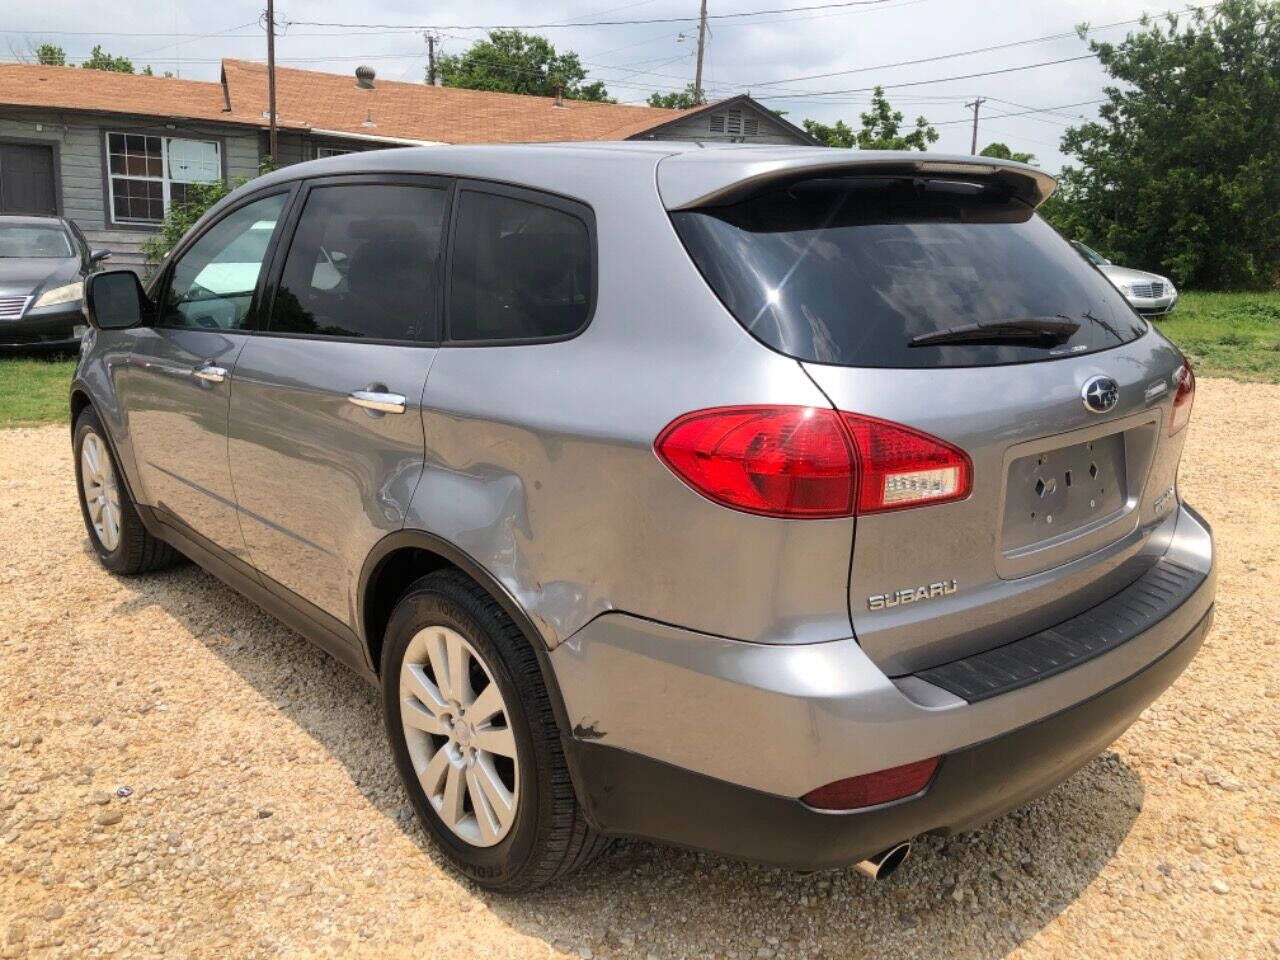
(121, 541)
(546, 837)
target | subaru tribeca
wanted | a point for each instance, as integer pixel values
(785, 503)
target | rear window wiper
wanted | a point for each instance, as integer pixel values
(1031, 331)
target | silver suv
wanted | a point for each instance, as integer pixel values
(782, 503)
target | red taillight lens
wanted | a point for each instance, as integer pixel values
(1183, 398)
(871, 789)
(810, 461)
(900, 467)
(776, 461)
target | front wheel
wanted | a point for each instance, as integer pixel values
(475, 740)
(121, 541)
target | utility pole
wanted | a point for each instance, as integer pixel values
(431, 59)
(271, 81)
(702, 43)
(977, 102)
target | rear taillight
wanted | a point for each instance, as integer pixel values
(777, 461)
(1183, 397)
(872, 789)
(900, 467)
(810, 462)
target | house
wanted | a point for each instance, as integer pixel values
(113, 151)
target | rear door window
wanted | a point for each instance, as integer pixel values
(861, 271)
(521, 270)
(363, 263)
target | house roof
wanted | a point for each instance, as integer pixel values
(74, 88)
(334, 102)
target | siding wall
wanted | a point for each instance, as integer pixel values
(81, 145)
(699, 128)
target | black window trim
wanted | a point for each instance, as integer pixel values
(163, 281)
(284, 241)
(575, 208)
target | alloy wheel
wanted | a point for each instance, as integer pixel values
(458, 731)
(100, 490)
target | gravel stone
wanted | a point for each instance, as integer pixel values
(1109, 864)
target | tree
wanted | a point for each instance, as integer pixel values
(51, 55)
(685, 99)
(99, 59)
(510, 61)
(1181, 170)
(881, 127)
(1001, 151)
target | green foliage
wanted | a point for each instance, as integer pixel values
(881, 129)
(1001, 151)
(685, 99)
(511, 61)
(99, 59)
(1228, 334)
(51, 55)
(839, 134)
(1181, 172)
(181, 217)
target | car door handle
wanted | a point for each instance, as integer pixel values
(207, 371)
(374, 400)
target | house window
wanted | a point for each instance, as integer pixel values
(733, 122)
(717, 123)
(322, 152)
(148, 174)
(751, 126)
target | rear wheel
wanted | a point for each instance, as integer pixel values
(475, 740)
(121, 541)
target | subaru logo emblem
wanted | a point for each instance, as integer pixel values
(1100, 394)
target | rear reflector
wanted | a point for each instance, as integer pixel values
(872, 789)
(1183, 398)
(810, 461)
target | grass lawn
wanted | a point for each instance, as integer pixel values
(35, 390)
(1233, 335)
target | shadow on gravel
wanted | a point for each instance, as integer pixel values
(979, 894)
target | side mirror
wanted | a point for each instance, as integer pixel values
(97, 256)
(114, 300)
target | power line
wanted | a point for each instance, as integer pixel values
(921, 83)
(962, 53)
(591, 23)
(1021, 113)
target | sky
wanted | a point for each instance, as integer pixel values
(814, 63)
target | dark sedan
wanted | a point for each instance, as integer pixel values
(43, 263)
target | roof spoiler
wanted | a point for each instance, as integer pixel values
(714, 178)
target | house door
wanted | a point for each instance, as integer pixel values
(26, 179)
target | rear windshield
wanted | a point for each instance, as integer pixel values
(851, 270)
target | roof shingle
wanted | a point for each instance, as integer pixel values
(307, 99)
(415, 111)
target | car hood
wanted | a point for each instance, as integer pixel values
(26, 276)
(1129, 275)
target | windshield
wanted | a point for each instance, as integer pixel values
(1090, 254)
(34, 240)
(852, 270)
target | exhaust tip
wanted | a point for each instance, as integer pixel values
(885, 863)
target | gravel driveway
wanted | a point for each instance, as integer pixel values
(263, 816)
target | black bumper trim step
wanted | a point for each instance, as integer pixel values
(1133, 610)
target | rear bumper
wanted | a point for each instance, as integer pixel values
(707, 743)
(635, 795)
